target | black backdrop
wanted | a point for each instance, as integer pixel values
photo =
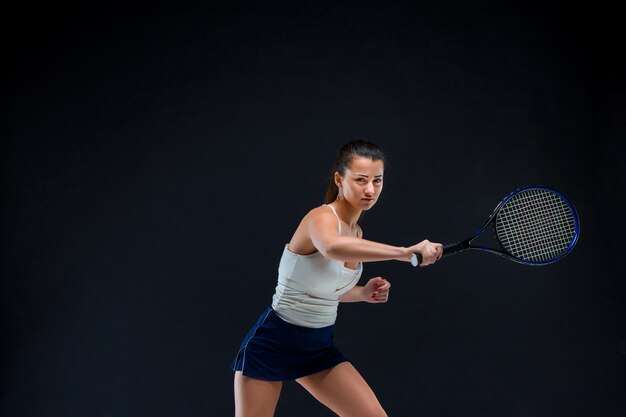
(156, 160)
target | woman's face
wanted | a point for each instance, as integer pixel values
(362, 183)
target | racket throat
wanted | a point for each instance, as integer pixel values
(481, 241)
(486, 240)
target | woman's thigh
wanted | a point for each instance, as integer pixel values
(255, 397)
(344, 391)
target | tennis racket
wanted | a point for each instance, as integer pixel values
(534, 225)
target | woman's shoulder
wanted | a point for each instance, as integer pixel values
(323, 209)
(322, 212)
(320, 216)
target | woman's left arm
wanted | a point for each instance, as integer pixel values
(375, 291)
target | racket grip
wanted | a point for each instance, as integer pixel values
(417, 260)
(452, 248)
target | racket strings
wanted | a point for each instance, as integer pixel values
(545, 226)
(536, 246)
(539, 231)
(536, 225)
(542, 232)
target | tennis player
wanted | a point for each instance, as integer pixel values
(320, 267)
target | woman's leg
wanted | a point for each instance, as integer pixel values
(344, 391)
(255, 397)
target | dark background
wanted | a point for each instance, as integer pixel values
(156, 159)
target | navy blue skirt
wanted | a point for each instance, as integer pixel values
(275, 350)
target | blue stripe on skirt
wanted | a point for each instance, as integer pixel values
(275, 350)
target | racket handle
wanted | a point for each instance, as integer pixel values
(416, 259)
(452, 248)
(449, 249)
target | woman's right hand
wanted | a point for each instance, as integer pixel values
(431, 252)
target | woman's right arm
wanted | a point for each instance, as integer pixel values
(325, 237)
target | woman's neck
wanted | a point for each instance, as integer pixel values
(347, 212)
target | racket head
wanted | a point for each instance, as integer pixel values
(536, 225)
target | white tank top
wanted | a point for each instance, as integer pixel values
(309, 286)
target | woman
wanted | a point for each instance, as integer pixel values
(320, 267)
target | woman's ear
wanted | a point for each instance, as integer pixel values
(337, 179)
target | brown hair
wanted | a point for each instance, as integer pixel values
(348, 151)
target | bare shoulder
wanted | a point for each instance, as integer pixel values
(301, 242)
(359, 231)
(319, 212)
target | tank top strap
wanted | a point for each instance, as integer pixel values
(336, 215)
